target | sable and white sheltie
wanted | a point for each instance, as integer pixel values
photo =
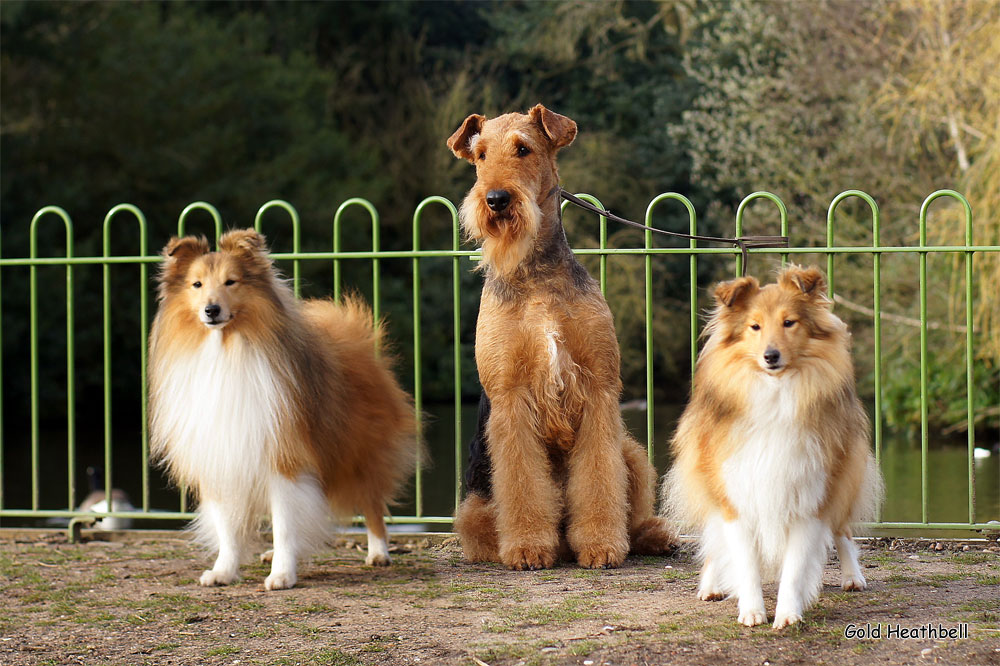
(266, 405)
(772, 456)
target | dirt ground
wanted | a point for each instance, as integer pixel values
(136, 601)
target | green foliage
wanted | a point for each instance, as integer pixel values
(160, 104)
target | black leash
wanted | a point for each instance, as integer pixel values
(743, 242)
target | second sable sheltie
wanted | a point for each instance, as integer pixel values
(772, 455)
(264, 405)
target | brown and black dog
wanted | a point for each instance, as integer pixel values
(554, 470)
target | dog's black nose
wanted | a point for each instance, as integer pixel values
(212, 311)
(771, 355)
(497, 200)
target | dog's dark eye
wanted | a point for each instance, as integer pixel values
(523, 151)
(789, 323)
(196, 285)
(755, 327)
(482, 156)
(230, 283)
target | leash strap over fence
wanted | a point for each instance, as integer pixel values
(743, 242)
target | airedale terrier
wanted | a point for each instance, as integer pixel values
(558, 474)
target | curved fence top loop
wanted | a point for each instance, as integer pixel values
(137, 214)
(603, 220)
(455, 225)
(294, 215)
(692, 215)
(833, 209)
(32, 230)
(741, 209)
(782, 210)
(954, 195)
(258, 219)
(372, 213)
(200, 205)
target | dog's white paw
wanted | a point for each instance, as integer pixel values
(378, 560)
(280, 581)
(751, 617)
(855, 582)
(211, 578)
(267, 556)
(709, 594)
(783, 619)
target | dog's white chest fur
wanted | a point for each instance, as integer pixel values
(219, 415)
(777, 475)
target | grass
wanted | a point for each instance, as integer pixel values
(510, 651)
(223, 650)
(973, 557)
(678, 574)
(166, 647)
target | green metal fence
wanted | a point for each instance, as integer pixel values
(656, 436)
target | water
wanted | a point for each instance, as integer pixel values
(947, 462)
(947, 470)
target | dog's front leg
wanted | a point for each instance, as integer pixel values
(745, 574)
(597, 492)
(217, 524)
(528, 507)
(298, 517)
(801, 570)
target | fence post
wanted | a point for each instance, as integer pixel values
(106, 334)
(969, 377)
(876, 306)
(70, 364)
(418, 397)
(693, 300)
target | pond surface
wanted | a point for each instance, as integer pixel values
(947, 461)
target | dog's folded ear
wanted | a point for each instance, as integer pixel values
(178, 254)
(734, 293)
(243, 242)
(459, 142)
(808, 281)
(559, 129)
(185, 249)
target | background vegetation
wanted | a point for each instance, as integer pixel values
(160, 104)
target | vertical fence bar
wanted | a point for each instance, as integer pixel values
(969, 321)
(603, 234)
(70, 363)
(418, 398)
(294, 215)
(876, 307)
(181, 228)
(924, 481)
(456, 304)
(648, 244)
(693, 295)
(376, 273)
(3, 493)
(143, 334)
(969, 374)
